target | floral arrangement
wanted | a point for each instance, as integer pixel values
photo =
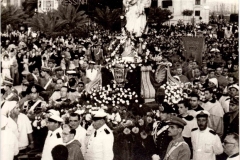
(116, 57)
(173, 93)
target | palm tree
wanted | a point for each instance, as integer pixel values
(29, 7)
(11, 15)
(158, 15)
(47, 23)
(75, 20)
(107, 17)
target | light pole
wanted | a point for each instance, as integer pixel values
(169, 16)
(121, 17)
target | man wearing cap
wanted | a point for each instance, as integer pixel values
(10, 93)
(225, 99)
(99, 140)
(206, 143)
(54, 136)
(91, 72)
(177, 149)
(231, 119)
(160, 133)
(9, 142)
(216, 112)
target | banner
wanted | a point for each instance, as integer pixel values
(194, 48)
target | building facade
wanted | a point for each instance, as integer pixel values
(199, 7)
(48, 5)
(12, 2)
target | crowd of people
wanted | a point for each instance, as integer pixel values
(74, 105)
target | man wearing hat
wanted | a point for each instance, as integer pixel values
(206, 143)
(54, 136)
(160, 133)
(91, 72)
(11, 93)
(231, 119)
(216, 111)
(99, 139)
(225, 99)
(177, 149)
(9, 142)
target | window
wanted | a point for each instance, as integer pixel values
(197, 2)
(166, 4)
(197, 13)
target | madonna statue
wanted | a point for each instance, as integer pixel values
(135, 15)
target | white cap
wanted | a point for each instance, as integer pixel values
(80, 112)
(8, 107)
(214, 81)
(4, 121)
(234, 86)
(91, 62)
(56, 118)
(71, 72)
(99, 114)
(202, 112)
(54, 112)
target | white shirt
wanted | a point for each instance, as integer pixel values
(188, 127)
(233, 158)
(91, 74)
(206, 144)
(53, 139)
(21, 129)
(80, 136)
(9, 145)
(99, 145)
(224, 101)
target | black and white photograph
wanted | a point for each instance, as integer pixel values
(119, 80)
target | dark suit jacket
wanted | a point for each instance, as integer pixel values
(213, 66)
(189, 74)
(230, 127)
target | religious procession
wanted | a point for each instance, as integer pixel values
(155, 88)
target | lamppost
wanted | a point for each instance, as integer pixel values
(169, 16)
(121, 17)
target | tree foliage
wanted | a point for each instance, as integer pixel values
(12, 15)
(64, 20)
(107, 17)
(158, 15)
(29, 7)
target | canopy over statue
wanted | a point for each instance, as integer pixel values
(135, 15)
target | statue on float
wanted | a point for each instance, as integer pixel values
(136, 16)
